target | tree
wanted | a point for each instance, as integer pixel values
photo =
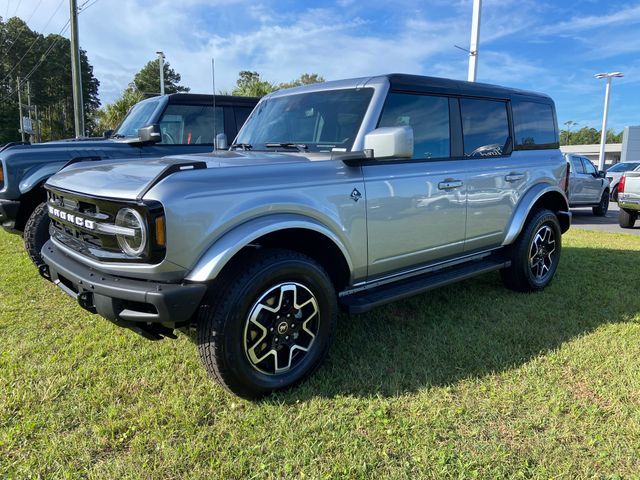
(304, 79)
(47, 63)
(250, 84)
(145, 83)
(147, 80)
(587, 136)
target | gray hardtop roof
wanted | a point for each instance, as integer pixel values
(422, 84)
(206, 99)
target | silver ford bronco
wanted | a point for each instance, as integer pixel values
(347, 194)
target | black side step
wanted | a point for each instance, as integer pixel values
(364, 301)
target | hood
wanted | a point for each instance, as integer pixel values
(130, 180)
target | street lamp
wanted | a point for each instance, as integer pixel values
(161, 58)
(603, 138)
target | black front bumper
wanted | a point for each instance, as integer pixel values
(152, 309)
(8, 214)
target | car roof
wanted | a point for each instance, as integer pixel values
(426, 84)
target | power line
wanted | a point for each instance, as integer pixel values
(17, 8)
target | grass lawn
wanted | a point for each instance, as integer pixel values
(471, 380)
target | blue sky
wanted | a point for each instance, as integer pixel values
(552, 47)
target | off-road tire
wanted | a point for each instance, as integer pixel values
(520, 276)
(601, 209)
(224, 315)
(627, 218)
(36, 233)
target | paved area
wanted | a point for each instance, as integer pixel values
(584, 218)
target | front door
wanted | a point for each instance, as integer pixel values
(416, 209)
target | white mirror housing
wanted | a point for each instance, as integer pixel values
(390, 142)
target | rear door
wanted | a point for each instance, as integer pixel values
(577, 182)
(416, 209)
(592, 182)
(495, 177)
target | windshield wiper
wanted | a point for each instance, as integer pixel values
(301, 147)
(241, 146)
(117, 135)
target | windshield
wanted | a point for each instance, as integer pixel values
(139, 116)
(316, 121)
(623, 167)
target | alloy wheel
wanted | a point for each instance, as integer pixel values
(541, 253)
(281, 328)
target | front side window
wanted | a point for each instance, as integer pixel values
(319, 121)
(191, 124)
(429, 118)
(485, 127)
(534, 125)
(588, 166)
(139, 116)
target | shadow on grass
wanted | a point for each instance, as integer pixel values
(474, 328)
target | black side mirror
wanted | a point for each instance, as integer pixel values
(107, 133)
(602, 174)
(150, 134)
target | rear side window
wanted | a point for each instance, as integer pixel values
(485, 127)
(429, 118)
(534, 125)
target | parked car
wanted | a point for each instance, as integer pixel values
(167, 125)
(615, 172)
(629, 199)
(347, 194)
(588, 187)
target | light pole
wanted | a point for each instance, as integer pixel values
(475, 39)
(603, 137)
(161, 58)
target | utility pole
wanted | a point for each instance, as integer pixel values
(78, 105)
(603, 136)
(475, 40)
(161, 62)
(20, 109)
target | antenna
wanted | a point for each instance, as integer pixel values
(213, 84)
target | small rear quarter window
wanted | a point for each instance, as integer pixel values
(535, 125)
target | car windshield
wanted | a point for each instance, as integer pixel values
(623, 167)
(314, 121)
(139, 116)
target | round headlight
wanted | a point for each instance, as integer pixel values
(133, 243)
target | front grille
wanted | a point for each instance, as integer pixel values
(79, 222)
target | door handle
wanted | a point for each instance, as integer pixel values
(514, 177)
(450, 184)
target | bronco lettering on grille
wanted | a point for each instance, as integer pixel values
(71, 218)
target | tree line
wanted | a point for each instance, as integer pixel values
(586, 135)
(46, 63)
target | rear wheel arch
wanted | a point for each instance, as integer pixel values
(539, 197)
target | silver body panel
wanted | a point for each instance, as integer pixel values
(387, 218)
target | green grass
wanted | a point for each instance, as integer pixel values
(468, 381)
